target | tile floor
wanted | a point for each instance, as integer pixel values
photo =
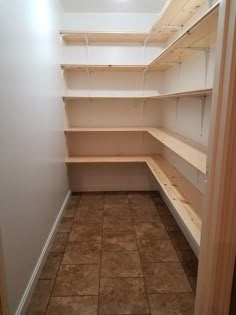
(117, 253)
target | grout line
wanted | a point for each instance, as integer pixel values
(145, 287)
(100, 269)
(61, 260)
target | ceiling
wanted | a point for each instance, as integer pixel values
(113, 6)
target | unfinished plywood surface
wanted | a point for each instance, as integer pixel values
(184, 197)
(84, 67)
(190, 151)
(202, 92)
(200, 36)
(174, 14)
(102, 37)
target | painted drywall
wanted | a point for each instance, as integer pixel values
(33, 175)
(119, 22)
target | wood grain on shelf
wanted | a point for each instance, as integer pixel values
(174, 14)
(190, 151)
(70, 36)
(200, 36)
(184, 197)
(84, 67)
(202, 92)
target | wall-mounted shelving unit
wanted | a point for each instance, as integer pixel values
(180, 188)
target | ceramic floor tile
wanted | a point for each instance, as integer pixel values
(189, 262)
(92, 195)
(51, 266)
(179, 241)
(121, 264)
(145, 215)
(76, 305)
(118, 224)
(75, 196)
(151, 231)
(123, 296)
(119, 241)
(170, 223)
(59, 243)
(40, 297)
(162, 209)
(139, 195)
(193, 283)
(116, 202)
(166, 304)
(91, 205)
(165, 278)
(142, 204)
(157, 251)
(120, 210)
(116, 195)
(82, 253)
(70, 211)
(65, 225)
(89, 216)
(77, 280)
(85, 232)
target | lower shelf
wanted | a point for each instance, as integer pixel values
(182, 195)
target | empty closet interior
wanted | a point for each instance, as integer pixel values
(137, 108)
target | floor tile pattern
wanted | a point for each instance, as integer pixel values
(117, 253)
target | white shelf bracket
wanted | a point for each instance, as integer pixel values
(142, 109)
(207, 58)
(203, 110)
(143, 81)
(176, 110)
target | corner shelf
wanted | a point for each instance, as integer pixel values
(200, 36)
(191, 152)
(202, 92)
(172, 17)
(184, 197)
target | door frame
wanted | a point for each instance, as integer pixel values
(218, 240)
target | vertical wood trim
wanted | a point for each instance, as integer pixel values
(218, 241)
(3, 290)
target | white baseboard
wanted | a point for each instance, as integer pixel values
(38, 268)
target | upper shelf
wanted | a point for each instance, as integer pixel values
(200, 36)
(174, 14)
(202, 92)
(84, 67)
(190, 151)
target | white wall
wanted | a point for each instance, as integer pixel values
(123, 22)
(33, 176)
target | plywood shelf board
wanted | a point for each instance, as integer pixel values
(201, 35)
(184, 197)
(202, 92)
(174, 14)
(86, 67)
(71, 36)
(192, 152)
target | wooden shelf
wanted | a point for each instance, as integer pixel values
(174, 14)
(190, 151)
(82, 68)
(200, 36)
(70, 36)
(183, 196)
(202, 92)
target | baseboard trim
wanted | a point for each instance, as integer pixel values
(102, 188)
(38, 268)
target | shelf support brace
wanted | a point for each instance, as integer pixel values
(143, 80)
(176, 110)
(203, 110)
